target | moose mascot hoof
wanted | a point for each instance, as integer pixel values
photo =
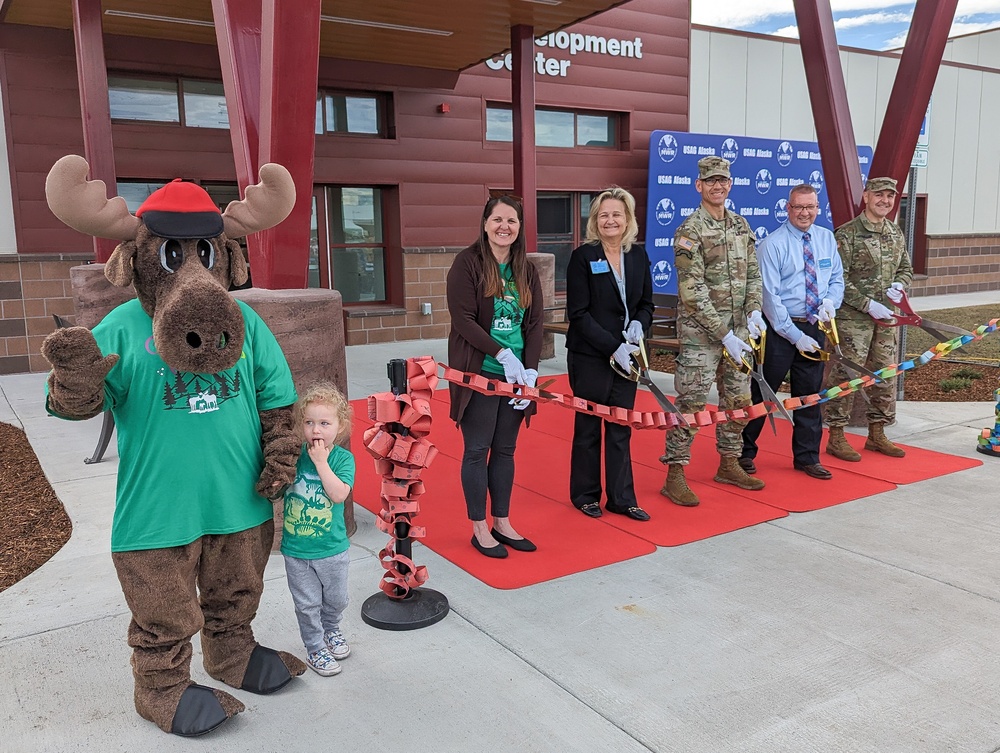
(201, 394)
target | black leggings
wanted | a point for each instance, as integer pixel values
(489, 427)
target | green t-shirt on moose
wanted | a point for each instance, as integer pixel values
(314, 526)
(188, 444)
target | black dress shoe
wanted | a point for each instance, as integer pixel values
(591, 510)
(636, 513)
(747, 465)
(497, 552)
(815, 470)
(520, 545)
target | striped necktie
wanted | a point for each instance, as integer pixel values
(812, 286)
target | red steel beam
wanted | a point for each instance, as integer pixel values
(289, 79)
(522, 91)
(830, 108)
(95, 108)
(237, 30)
(911, 91)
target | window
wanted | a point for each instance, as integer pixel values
(361, 113)
(137, 191)
(558, 128)
(349, 250)
(187, 102)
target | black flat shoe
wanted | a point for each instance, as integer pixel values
(519, 545)
(747, 465)
(815, 470)
(497, 552)
(636, 513)
(591, 510)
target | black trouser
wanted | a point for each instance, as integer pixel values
(806, 377)
(489, 428)
(591, 378)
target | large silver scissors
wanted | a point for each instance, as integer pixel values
(639, 372)
(755, 369)
(833, 353)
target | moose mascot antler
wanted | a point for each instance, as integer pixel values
(201, 396)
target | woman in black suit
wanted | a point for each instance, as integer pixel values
(609, 303)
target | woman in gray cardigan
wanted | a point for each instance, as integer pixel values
(495, 302)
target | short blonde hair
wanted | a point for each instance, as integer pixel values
(631, 227)
(325, 393)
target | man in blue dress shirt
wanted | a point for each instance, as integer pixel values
(803, 285)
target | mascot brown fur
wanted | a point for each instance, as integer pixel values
(201, 396)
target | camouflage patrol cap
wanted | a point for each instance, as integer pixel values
(881, 184)
(709, 166)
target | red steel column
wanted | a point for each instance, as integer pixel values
(289, 78)
(237, 29)
(522, 92)
(911, 91)
(831, 112)
(95, 109)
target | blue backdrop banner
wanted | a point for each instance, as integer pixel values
(764, 171)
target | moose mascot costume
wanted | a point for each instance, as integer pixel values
(201, 395)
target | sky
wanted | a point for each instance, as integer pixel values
(869, 24)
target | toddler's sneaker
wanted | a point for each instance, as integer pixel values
(337, 643)
(323, 662)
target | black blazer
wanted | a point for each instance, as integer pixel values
(594, 308)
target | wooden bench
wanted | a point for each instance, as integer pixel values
(662, 333)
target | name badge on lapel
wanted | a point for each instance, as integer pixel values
(825, 263)
(599, 267)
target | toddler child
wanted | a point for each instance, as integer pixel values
(314, 540)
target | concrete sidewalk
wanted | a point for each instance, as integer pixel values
(868, 627)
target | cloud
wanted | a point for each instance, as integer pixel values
(957, 28)
(736, 14)
(870, 19)
(791, 32)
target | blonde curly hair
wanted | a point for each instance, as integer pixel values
(325, 393)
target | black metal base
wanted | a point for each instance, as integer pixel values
(986, 451)
(422, 607)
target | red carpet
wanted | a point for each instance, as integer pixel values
(570, 542)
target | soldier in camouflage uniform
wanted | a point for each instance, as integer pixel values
(876, 270)
(719, 300)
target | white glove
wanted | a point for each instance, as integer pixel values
(532, 378)
(633, 334)
(756, 325)
(895, 292)
(513, 369)
(735, 346)
(806, 344)
(623, 355)
(877, 311)
(826, 310)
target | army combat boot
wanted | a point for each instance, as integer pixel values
(730, 473)
(676, 488)
(878, 442)
(837, 446)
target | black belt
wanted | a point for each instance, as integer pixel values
(800, 319)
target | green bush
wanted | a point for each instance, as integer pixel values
(966, 373)
(954, 384)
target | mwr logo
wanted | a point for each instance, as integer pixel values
(668, 148)
(785, 154)
(816, 180)
(828, 214)
(763, 181)
(665, 212)
(730, 150)
(730, 205)
(663, 273)
(761, 233)
(781, 211)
